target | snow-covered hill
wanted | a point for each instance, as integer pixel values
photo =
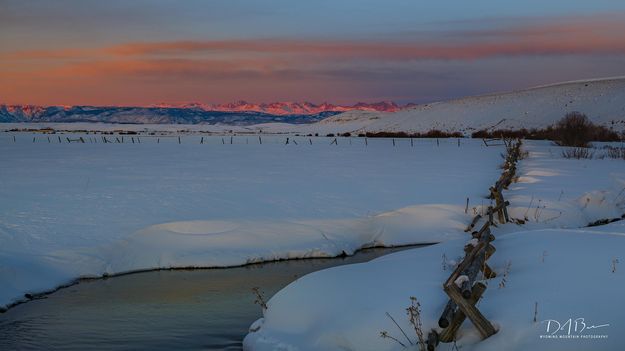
(603, 101)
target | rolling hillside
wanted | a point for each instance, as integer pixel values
(603, 101)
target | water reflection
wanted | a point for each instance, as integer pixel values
(183, 309)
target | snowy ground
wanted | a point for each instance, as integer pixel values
(575, 274)
(71, 210)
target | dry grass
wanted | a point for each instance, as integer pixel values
(578, 153)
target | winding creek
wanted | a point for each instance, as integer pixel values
(207, 309)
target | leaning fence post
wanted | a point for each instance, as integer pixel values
(449, 333)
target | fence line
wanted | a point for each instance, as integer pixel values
(112, 138)
(462, 287)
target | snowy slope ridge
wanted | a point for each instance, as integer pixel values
(603, 101)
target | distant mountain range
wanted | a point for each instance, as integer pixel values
(290, 108)
(602, 100)
(238, 113)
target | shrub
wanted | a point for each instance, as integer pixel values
(574, 129)
(388, 135)
(577, 153)
(616, 152)
(434, 133)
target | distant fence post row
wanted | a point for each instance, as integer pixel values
(119, 139)
(462, 287)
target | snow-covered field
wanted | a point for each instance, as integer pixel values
(87, 209)
(145, 128)
(70, 210)
(559, 274)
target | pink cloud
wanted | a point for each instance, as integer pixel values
(287, 63)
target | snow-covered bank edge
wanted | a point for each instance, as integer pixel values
(31, 296)
(116, 208)
(344, 308)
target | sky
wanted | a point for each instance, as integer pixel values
(140, 52)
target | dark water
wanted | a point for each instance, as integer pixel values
(183, 309)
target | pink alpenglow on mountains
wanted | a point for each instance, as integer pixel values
(288, 108)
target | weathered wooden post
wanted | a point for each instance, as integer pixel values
(458, 318)
(432, 341)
